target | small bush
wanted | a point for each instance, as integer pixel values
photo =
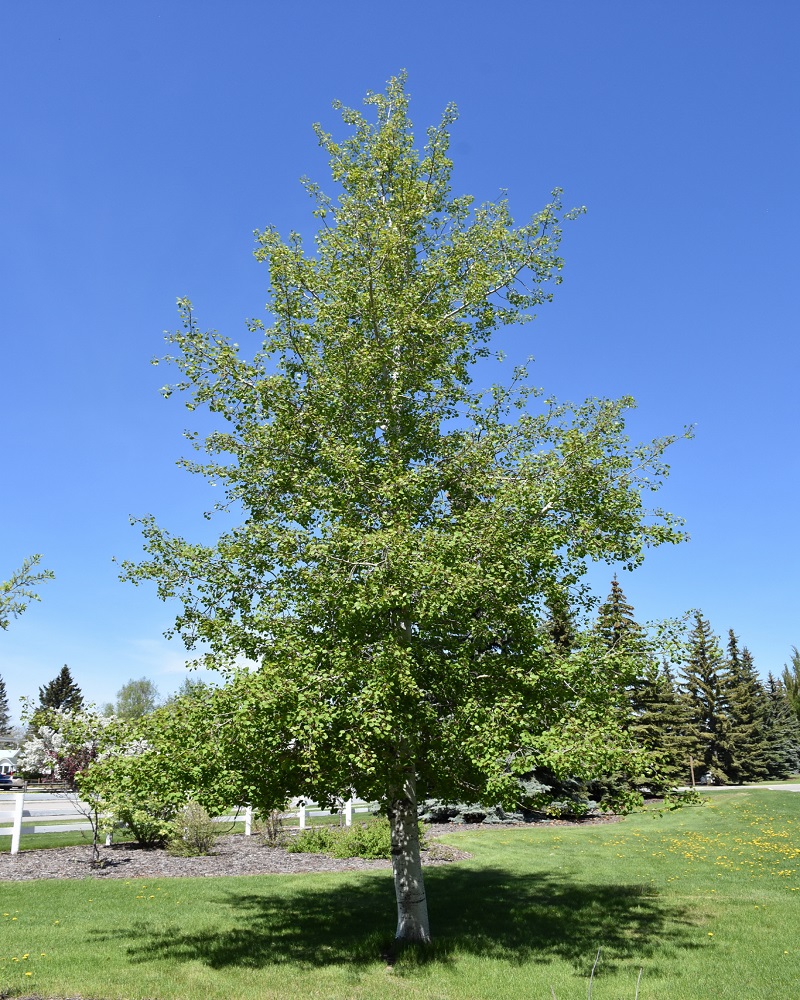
(193, 832)
(269, 826)
(371, 841)
(150, 822)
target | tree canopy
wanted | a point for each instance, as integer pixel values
(136, 698)
(403, 534)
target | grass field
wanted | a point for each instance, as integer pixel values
(704, 900)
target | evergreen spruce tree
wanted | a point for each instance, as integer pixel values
(627, 657)
(704, 682)
(624, 639)
(665, 723)
(660, 717)
(782, 732)
(5, 715)
(747, 755)
(61, 692)
(616, 623)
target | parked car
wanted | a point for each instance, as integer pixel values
(8, 783)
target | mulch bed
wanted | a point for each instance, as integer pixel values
(234, 854)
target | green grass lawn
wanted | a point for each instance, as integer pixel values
(704, 899)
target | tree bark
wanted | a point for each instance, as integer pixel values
(409, 884)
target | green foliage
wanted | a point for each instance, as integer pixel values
(150, 820)
(158, 762)
(190, 687)
(664, 722)
(675, 799)
(136, 698)
(402, 531)
(404, 534)
(791, 680)
(362, 840)
(192, 833)
(61, 693)
(617, 626)
(782, 729)
(19, 590)
(704, 683)
(748, 708)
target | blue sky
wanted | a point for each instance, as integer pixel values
(142, 143)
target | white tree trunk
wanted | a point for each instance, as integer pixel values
(409, 885)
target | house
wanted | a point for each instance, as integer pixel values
(8, 755)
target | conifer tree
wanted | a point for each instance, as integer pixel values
(616, 623)
(5, 715)
(746, 755)
(62, 692)
(665, 723)
(659, 719)
(782, 732)
(704, 684)
(624, 639)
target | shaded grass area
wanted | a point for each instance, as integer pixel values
(703, 899)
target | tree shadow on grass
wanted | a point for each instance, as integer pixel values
(492, 912)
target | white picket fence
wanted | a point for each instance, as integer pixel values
(67, 815)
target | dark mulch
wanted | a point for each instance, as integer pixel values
(234, 854)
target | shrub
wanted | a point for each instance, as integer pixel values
(192, 832)
(269, 826)
(371, 841)
(149, 820)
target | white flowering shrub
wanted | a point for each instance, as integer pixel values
(65, 742)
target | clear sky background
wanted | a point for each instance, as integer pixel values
(141, 144)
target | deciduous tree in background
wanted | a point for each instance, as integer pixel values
(136, 698)
(403, 533)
